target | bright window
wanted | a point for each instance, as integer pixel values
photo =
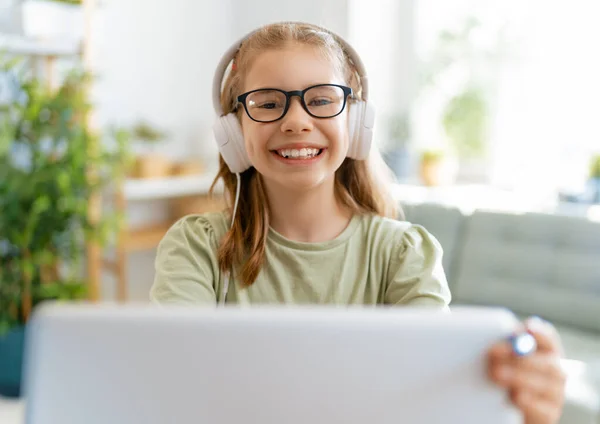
(542, 95)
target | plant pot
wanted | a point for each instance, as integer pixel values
(50, 20)
(152, 165)
(431, 173)
(11, 362)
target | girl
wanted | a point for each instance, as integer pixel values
(311, 221)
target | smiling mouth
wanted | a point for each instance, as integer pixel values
(304, 153)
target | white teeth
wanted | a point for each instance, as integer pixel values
(304, 153)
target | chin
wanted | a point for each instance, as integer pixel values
(299, 181)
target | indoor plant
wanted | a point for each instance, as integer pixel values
(463, 75)
(50, 166)
(150, 164)
(465, 123)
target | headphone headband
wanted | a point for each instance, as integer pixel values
(229, 55)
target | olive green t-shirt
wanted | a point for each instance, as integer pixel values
(373, 261)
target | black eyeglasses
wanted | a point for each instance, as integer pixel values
(271, 104)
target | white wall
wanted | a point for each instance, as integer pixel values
(332, 14)
(383, 32)
(155, 60)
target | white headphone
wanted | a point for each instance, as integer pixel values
(228, 132)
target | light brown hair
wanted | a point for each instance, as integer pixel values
(357, 184)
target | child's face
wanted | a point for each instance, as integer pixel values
(295, 67)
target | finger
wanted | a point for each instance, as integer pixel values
(536, 409)
(540, 375)
(545, 334)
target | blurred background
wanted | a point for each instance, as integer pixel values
(480, 102)
(106, 140)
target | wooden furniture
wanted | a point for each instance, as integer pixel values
(185, 194)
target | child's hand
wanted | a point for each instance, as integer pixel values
(536, 382)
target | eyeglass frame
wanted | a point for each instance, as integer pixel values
(288, 100)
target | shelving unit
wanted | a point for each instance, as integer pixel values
(194, 188)
(170, 187)
(39, 48)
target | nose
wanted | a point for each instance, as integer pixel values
(296, 120)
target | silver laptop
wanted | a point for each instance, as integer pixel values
(270, 365)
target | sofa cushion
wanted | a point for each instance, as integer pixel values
(534, 264)
(445, 223)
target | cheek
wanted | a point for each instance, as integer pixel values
(255, 135)
(339, 131)
(249, 131)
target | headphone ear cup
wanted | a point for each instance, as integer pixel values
(230, 139)
(361, 119)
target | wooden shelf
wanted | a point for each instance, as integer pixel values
(30, 47)
(170, 187)
(146, 238)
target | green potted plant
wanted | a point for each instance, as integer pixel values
(50, 167)
(150, 164)
(464, 72)
(465, 123)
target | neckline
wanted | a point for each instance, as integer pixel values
(317, 246)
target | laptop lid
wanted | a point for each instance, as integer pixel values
(143, 364)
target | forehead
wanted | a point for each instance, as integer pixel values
(293, 67)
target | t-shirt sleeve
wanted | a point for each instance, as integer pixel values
(186, 265)
(416, 273)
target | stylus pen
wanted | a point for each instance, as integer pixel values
(523, 344)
